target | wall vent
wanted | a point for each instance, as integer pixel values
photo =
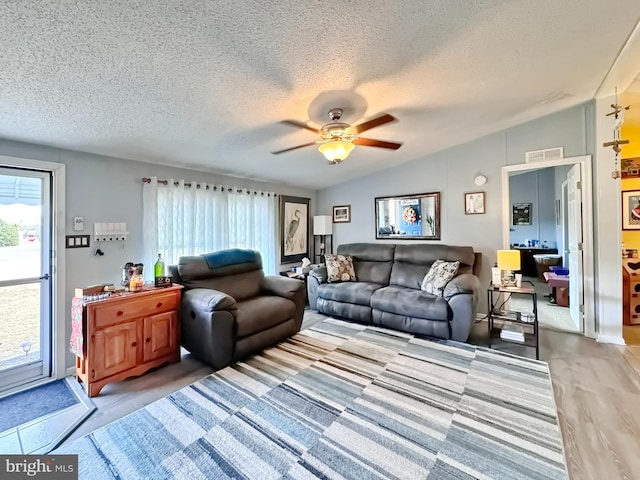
(556, 153)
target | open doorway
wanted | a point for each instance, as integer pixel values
(547, 217)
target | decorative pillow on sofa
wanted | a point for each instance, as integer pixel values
(340, 268)
(438, 276)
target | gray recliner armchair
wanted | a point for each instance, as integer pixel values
(230, 309)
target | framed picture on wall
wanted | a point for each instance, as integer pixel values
(474, 203)
(521, 214)
(342, 214)
(631, 210)
(294, 228)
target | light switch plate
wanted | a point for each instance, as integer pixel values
(78, 241)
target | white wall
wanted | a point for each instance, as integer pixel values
(451, 172)
(560, 177)
(106, 189)
(608, 272)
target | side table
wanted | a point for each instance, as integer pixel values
(505, 317)
(560, 284)
(298, 276)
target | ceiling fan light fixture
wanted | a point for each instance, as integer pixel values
(336, 150)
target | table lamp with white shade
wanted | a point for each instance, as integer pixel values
(323, 227)
(508, 263)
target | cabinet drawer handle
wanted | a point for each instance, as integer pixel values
(93, 373)
(147, 340)
(159, 305)
(134, 344)
(120, 312)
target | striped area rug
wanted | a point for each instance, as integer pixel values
(342, 400)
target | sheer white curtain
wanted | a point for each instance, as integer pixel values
(181, 220)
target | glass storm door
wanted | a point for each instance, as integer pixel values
(25, 277)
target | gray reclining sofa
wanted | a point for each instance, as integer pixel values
(387, 291)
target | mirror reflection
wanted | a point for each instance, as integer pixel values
(411, 217)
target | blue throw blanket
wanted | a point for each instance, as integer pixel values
(232, 256)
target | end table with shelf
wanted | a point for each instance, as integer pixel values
(511, 317)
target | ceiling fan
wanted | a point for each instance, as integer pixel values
(337, 139)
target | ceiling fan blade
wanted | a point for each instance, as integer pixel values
(376, 122)
(298, 124)
(370, 142)
(293, 148)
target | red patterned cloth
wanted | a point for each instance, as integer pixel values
(76, 342)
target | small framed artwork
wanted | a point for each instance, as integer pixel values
(474, 203)
(521, 214)
(631, 210)
(342, 214)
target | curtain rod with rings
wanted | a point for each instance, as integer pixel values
(215, 187)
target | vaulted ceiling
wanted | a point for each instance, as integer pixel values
(204, 84)
(631, 97)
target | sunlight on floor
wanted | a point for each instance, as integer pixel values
(549, 314)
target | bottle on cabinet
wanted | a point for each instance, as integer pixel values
(159, 267)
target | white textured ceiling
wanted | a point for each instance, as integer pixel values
(204, 84)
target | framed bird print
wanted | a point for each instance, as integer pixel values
(294, 228)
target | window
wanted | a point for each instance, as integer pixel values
(190, 219)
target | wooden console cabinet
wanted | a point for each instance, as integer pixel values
(126, 335)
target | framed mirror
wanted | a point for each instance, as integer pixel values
(408, 217)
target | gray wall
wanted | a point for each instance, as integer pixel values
(546, 207)
(523, 188)
(538, 189)
(106, 189)
(451, 172)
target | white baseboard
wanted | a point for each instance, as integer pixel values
(610, 339)
(71, 371)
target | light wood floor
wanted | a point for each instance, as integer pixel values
(596, 388)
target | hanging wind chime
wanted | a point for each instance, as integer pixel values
(618, 113)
